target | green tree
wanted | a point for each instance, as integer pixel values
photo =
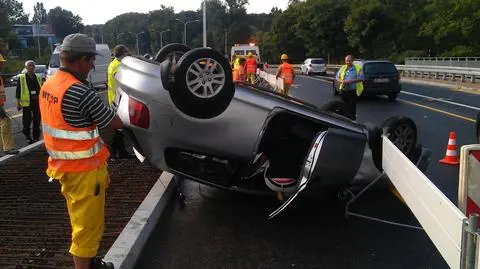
(39, 14)
(64, 22)
(454, 26)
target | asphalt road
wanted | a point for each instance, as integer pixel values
(219, 229)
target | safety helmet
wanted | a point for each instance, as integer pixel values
(284, 57)
(2, 59)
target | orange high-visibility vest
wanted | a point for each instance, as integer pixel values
(239, 73)
(71, 149)
(251, 65)
(287, 73)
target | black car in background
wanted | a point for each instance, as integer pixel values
(381, 77)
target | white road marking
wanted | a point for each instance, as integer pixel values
(441, 100)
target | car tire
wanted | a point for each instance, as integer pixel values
(215, 88)
(175, 49)
(402, 131)
(336, 106)
(392, 97)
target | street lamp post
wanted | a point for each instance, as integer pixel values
(185, 29)
(118, 37)
(161, 37)
(136, 36)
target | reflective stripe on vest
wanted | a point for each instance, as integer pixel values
(73, 135)
(24, 91)
(287, 73)
(76, 155)
(112, 69)
(359, 85)
(71, 149)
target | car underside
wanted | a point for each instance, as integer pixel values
(276, 143)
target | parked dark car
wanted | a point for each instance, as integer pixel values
(381, 77)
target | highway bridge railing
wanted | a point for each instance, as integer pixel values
(462, 74)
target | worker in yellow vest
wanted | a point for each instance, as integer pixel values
(6, 137)
(117, 145)
(350, 77)
(28, 88)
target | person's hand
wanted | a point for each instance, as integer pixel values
(19, 107)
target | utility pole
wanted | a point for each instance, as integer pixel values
(204, 23)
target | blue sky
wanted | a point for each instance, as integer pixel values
(98, 11)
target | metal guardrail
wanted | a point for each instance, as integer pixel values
(472, 62)
(423, 71)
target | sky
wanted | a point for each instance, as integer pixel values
(101, 11)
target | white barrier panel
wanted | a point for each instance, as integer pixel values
(477, 259)
(277, 84)
(469, 184)
(440, 218)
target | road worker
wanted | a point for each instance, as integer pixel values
(6, 137)
(251, 68)
(285, 71)
(71, 115)
(117, 145)
(350, 77)
(239, 72)
(28, 88)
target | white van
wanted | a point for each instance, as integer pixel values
(96, 77)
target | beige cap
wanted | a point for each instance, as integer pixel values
(78, 43)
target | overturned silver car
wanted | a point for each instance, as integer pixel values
(185, 115)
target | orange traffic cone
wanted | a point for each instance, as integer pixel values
(451, 154)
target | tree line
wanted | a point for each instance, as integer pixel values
(313, 28)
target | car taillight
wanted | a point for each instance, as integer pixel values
(138, 112)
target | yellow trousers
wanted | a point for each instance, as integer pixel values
(84, 193)
(286, 88)
(6, 137)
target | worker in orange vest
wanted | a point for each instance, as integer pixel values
(239, 74)
(285, 71)
(72, 114)
(251, 68)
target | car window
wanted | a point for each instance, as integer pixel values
(318, 61)
(54, 61)
(39, 69)
(372, 68)
(239, 52)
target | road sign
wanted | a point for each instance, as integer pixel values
(469, 185)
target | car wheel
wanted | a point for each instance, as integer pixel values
(335, 106)
(392, 97)
(173, 52)
(203, 86)
(402, 131)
